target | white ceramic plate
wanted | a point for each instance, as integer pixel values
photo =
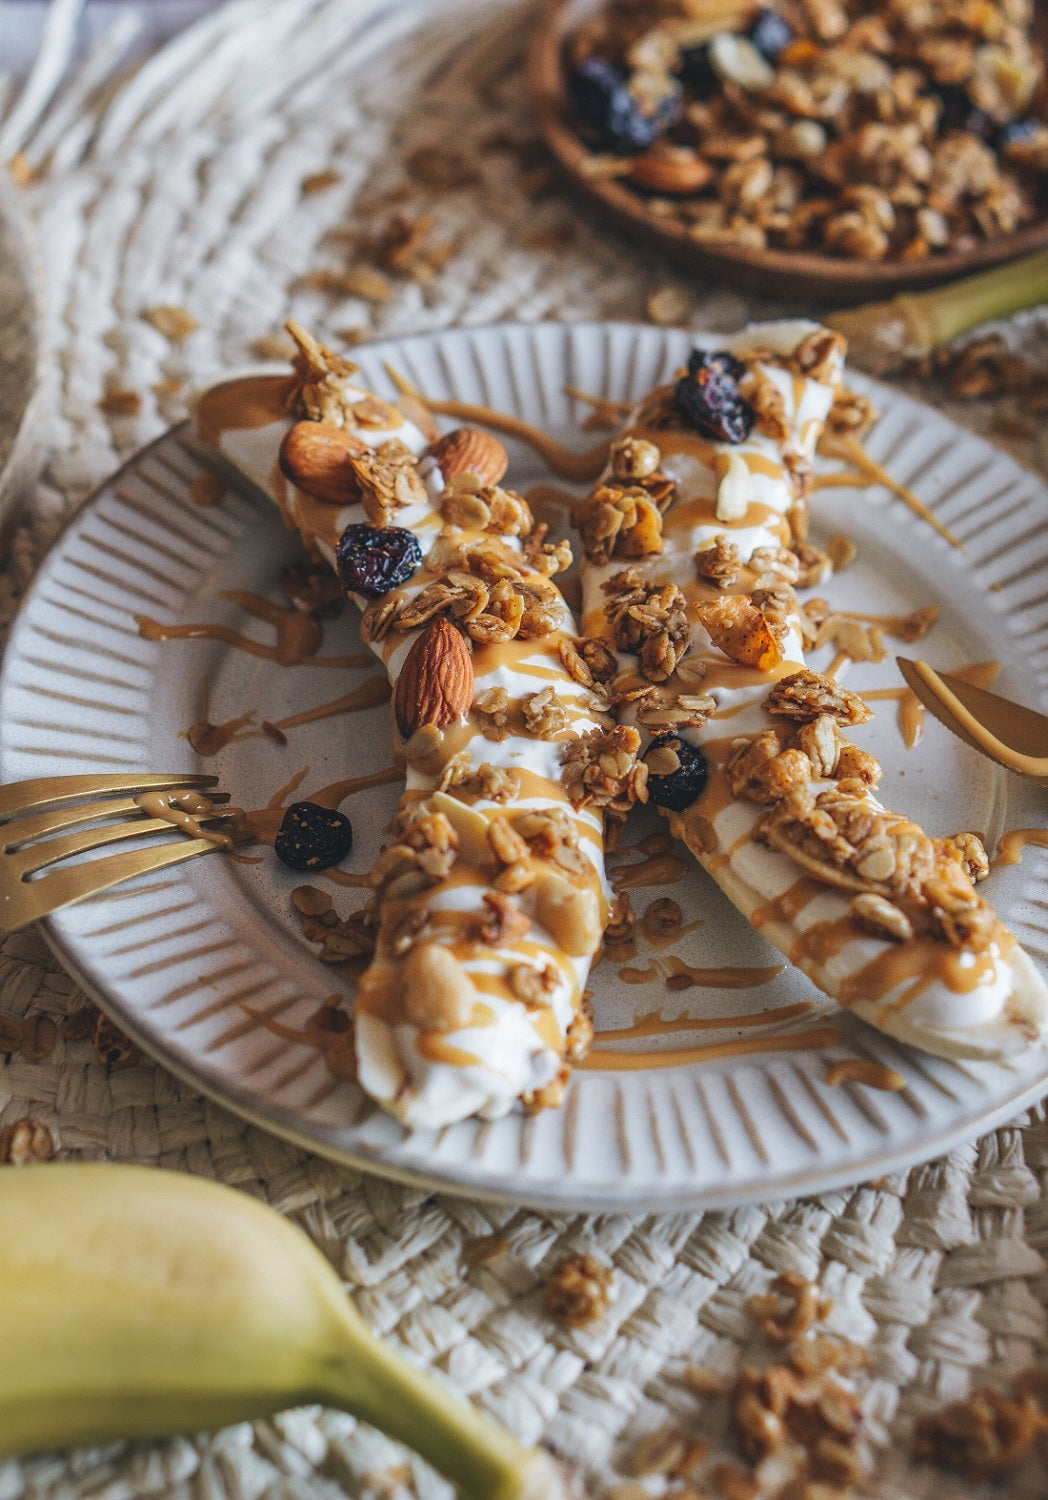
(177, 958)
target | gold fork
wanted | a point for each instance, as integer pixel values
(1014, 736)
(33, 812)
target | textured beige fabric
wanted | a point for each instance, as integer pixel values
(182, 184)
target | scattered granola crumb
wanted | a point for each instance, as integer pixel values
(25, 1141)
(987, 1434)
(22, 170)
(174, 322)
(579, 1290)
(319, 182)
(788, 1308)
(705, 1383)
(273, 346)
(207, 490)
(361, 281)
(669, 306)
(112, 1047)
(658, 1452)
(120, 401)
(483, 1247)
(171, 385)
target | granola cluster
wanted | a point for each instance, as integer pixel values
(579, 1289)
(603, 769)
(492, 592)
(904, 883)
(650, 619)
(988, 1434)
(623, 515)
(864, 130)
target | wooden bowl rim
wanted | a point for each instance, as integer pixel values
(770, 271)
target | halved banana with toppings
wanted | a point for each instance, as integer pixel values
(695, 541)
(491, 899)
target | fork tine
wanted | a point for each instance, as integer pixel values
(52, 791)
(46, 852)
(40, 825)
(39, 898)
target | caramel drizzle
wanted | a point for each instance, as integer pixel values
(1010, 845)
(862, 1070)
(657, 869)
(613, 1060)
(298, 635)
(566, 463)
(848, 447)
(912, 715)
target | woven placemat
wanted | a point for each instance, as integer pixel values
(372, 168)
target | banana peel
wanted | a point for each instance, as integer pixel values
(140, 1303)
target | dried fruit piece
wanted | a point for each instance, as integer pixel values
(470, 450)
(317, 457)
(435, 685)
(601, 94)
(708, 398)
(374, 559)
(677, 772)
(313, 837)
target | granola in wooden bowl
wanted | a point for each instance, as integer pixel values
(834, 148)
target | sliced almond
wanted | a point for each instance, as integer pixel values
(470, 450)
(316, 456)
(435, 685)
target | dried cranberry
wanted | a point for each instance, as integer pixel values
(681, 787)
(313, 837)
(708, 398)
(770, 34)
(601, 95)
(374, 559)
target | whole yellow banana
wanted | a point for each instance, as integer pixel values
(136, 1302)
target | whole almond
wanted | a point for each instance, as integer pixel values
(470, 450)
(679, 176)
(435, 685)
(316, 457)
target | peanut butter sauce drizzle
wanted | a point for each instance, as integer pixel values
(862, 1070)
(650, 1023)
(330, 1029)
(613, 1060)
(371, 692)
(298, 635)
(566, 463)
(910, 713)
(184, 809)
(1010, 845)
(250, 402)
(848, 447)
(208, 739)
(657, 869)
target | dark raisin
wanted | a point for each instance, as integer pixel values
(959, 113)
(696, 70)
(681, 787)
(770, 34)
(374, 559)
(312, 837)
(708, 398)
(601, 95)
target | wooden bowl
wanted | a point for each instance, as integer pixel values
(779, 273)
